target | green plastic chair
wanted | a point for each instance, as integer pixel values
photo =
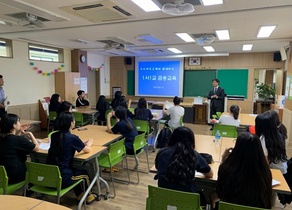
(140, 144)
(231, 206)
(116, 154)
(162, 198)
(5, 188)
(80, 120)
(225, 130)
(217, 115)
(47, 179)
(51, 119)
(132, 110)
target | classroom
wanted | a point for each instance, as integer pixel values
(63, 46)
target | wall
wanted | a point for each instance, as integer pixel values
(249, 61)
(23, 85)
(95, 60)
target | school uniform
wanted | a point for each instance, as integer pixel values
(81, 102)
(143, 114)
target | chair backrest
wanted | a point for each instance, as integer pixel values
(225, 130)
(218, 114)
(161, 198)
(52, 116)
(131, 110)
(3, 180)
(116, 151)
(231, 206)
(181, 121)
(78, 117)
(142, 125)
(139, 142)
(43, 175)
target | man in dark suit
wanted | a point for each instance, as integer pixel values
(216, 95)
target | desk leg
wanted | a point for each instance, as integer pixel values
(97, 179)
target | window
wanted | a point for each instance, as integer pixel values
(42, 53)
(5, 48)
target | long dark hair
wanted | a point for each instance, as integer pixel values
(54, 98)
(142, 105)
(121, 113)
(266, 125)
(56, 148)
(281, 127)
(245, 178)
(234, 109)
(64, 107)
(6, 124)
(115, 101)
(182, 167)
(101, 103)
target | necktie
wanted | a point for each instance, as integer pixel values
(215, 89)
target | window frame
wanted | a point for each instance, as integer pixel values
(46, 49)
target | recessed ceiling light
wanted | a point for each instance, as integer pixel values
(185, 37)
(223, 34)
(209, 49)
(211, 2)
(247, 47)
(265, 31)
(174, 50)
(147, 5)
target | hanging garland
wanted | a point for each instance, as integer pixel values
(41, 72)
(95, 69)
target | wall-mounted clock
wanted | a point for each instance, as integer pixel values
(82, 58)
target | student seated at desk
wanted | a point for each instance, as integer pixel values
(123, 126)
(15, 145)
(115, 102)
(177, 163)
(81, 100)
(62, 151)
(273, 146)
(64, 107)
(123, 102)
(142, 112)
(101, 106)
(232, 118)
(244, 177)
(175, 112)
(55, 103)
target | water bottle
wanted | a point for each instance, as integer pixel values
(217, 137)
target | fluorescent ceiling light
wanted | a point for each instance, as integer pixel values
(247, 47)
(185, 37)
(147, 5)
(265, 31)
(174, 50)
(209, 49)
(223, 34)
(212, 2)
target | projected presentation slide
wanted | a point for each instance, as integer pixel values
(159, 78)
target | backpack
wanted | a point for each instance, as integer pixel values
(287, 198)
(163, 137)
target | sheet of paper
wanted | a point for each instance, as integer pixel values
(45, 146)
(275, 182)
(253, 115)
(168, 104)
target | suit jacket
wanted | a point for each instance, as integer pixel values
(217, 102)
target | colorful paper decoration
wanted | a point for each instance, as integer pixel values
(95, 69)
(39, 71)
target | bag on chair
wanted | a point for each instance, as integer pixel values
(163, 137)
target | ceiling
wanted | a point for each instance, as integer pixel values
(81, 28)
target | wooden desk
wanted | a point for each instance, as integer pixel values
(98, 133)
(15, 202)
(86, 110)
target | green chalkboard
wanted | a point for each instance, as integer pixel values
(198, 82)
(131, 83)
(234, 81)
